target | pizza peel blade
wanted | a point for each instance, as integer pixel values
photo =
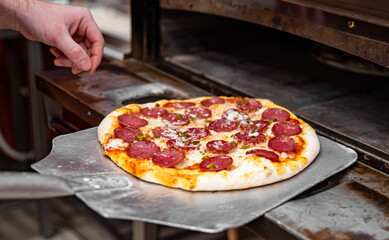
(107, 189)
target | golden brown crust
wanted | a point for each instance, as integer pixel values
(248, 170)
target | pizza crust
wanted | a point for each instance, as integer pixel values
(250, 171)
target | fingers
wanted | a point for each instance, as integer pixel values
(96, 41)
(56, 52)
(96, 55)
(82, 49)
(74, 52)
(62, 61)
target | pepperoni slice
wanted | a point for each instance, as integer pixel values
(198, 113)
(282, 144)
(223, 125)
(286, 129)
(216, 163)
(166, 132)
(264, 153)
(168, 158)
(250, 137)
(153, 112)
(257, 125)
(196, 133)
(183, 144)
(142, 149)
(212, 101)
(235, 115)
(275, 113)
(220, 146)
(127, 134)
(131, 121)
(176, 119)
(248, 104)
(179, 105)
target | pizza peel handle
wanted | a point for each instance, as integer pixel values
(24, 185)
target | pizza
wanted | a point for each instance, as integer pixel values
(208, 143)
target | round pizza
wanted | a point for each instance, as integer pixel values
(208, 143)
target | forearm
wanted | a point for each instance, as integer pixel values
(12, 12)
(72, 33)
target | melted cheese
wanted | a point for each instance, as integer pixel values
(115, 144)
(195, 157)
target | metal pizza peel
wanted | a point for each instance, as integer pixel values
(77, 158)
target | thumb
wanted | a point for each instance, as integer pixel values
(74, 52)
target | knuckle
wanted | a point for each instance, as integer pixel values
(76, 53)
(83, 11)
(55, 35)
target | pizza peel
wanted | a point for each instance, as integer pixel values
(77, 158)
(27, 185)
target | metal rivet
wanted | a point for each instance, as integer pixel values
(351, 24)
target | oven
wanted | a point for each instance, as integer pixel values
(324, 60)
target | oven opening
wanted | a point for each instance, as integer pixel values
(144, 94)
(145, 99)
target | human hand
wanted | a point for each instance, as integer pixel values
(73, 35)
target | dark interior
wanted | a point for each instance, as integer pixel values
(336, 91)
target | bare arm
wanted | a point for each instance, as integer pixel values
(73, 35)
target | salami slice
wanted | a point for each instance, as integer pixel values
(166, 132)
(142, 149)
(250, 137)
(286, 129)
(275, 113)
(176, 119)
(179, 105)
(169, 157)
(265, 154)
(248, 104)
(282, 144)
(212, 101)
(216, 163)
(223, 125)
(235, 115)
(127, 134)
(196, 133)
(131, 121)
(183, 144)
(220, 146)
(198, 113)
(257, 125)
(153, 112)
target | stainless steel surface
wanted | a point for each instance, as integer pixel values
(113, 193)
(353, 206)
(23, 185)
